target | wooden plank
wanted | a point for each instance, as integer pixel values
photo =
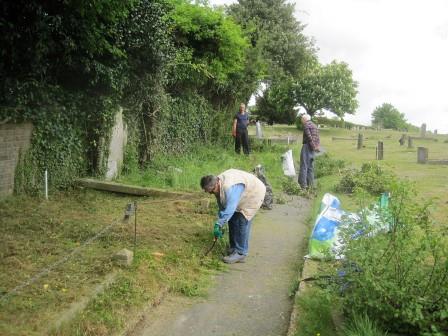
(339, 138)
(437, 162)
(131, 190)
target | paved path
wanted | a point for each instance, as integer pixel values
(251, 299)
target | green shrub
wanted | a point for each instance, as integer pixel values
(291, 187)
(325, 165)
(399, 278)
(371, 178)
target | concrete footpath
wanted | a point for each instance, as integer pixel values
(252, 298)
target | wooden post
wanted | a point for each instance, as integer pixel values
(410, 144)
(422, 155)
(360, 138)
(380, 151)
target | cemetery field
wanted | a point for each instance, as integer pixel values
(431, 180)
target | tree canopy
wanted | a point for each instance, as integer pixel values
(388, 116)
(329, 87)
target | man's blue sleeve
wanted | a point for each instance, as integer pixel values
(233, 197)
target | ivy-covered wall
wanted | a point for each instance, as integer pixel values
(67, 67)
(14, 141)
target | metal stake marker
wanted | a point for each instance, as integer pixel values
(135, 226)
(46, 184)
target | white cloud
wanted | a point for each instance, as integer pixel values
(397, 49)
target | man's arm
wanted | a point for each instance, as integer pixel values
(309, 136)
(234, 127)
(233, 197)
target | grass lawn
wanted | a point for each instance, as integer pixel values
(431, 180)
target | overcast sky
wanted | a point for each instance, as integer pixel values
(397, 49)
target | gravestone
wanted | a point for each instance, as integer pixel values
(435, 132)
(269, 196)
(360, 141)
(410, 143)
(259, 131)
(422, 155)
(402, 139)
(380, 151)
(423, 130)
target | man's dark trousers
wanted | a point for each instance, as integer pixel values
(242, 138)
(306, 172)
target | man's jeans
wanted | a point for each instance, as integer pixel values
(306, 173)
(239, 232)
(242, 138)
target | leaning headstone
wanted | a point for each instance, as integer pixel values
(402, 139)
(259, 131)
(422, 155)
(360, 141)
(123, 257)
(423, 130)
(269, 196)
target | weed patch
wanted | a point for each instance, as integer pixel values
(371, 178)
(315, 310)
(326, 165)
(399, 277)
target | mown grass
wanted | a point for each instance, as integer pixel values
(431, 180)
(171, 240)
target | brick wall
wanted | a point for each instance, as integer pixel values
(14, 138)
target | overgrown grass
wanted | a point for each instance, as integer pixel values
(361, 324)
(184, 172)
(315, 307)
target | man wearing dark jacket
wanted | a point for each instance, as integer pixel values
(311, 145)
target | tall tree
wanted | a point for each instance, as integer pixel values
(329, 87)
(276, 105)
(388, 116)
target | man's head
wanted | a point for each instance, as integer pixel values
(242, 107)
(305, 117)
(209, 183)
